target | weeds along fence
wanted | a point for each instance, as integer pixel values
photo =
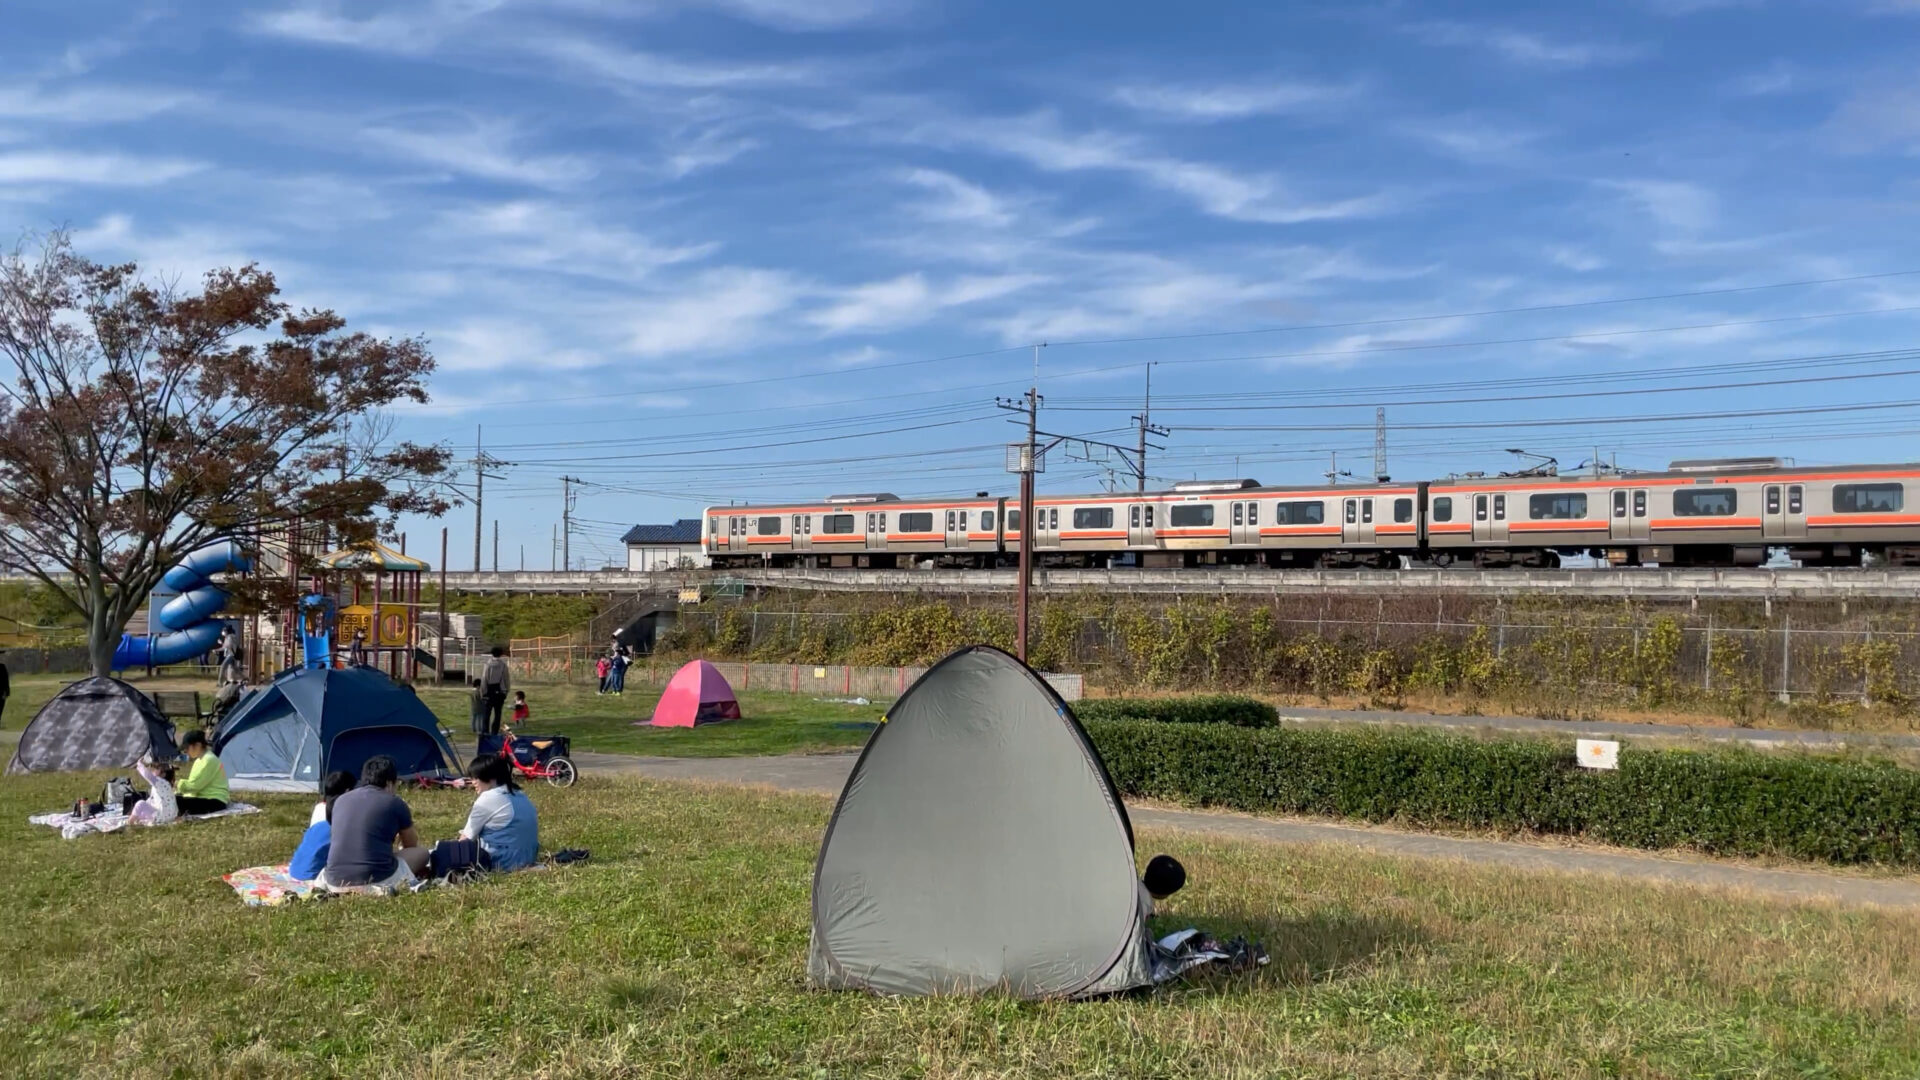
(1559, 659)
(819, 680)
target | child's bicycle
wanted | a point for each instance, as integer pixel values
(540, 757)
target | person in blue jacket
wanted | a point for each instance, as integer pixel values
(311, 856)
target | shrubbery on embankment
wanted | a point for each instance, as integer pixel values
(1725, 802)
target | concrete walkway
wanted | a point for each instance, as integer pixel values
(826, 774)
(1758, 738)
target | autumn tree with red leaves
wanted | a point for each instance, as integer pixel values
(140, 421)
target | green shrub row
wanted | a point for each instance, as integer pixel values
(1729, 802)
(1231, 709)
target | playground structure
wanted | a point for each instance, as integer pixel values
(183, 608)
(378, 593)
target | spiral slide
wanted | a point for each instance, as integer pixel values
(181, 611)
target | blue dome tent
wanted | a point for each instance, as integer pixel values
(309, 721)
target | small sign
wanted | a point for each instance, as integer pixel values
(690, 596)
(819, 673)
(1597, 753)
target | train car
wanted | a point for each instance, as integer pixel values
(1716, 512)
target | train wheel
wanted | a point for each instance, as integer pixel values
(1441, 559)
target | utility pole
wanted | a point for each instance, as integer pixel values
(566, 520)
(1025, 460)
(440, 647)
(1380, 444)
(482, 461)
(1147, 427)
(496, 545)
(553, 549)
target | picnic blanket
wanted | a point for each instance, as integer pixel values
(114, 820)
(268, 886)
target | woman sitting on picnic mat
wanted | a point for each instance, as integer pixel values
(311, 856)
(503, 821)
(204, 791)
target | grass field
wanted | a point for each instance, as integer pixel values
(770, 724)
(679, 951)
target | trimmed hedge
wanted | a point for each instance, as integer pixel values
(1193, 709)
(1731, 802)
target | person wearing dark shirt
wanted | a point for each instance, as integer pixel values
(368, 823)
(6, 688)
(311, 856)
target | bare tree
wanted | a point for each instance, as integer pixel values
(140, 421)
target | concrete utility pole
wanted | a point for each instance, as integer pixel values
(481, 462)
(566, 520)
(496, 545)
(440, 649)
(1380, 444)
(1147, 427)
(1024, 459)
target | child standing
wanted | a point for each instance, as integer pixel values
(603, 667)
(520, 706)
(477, 709)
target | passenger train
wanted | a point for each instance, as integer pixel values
(1722, 512)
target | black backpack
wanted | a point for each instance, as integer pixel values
(120, 794)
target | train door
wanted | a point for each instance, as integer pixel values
(1490, 517)
(803, 532)
(876, 531)
(1140, 525)
(737, 533)
(1246, 523)
(1046, 520)
(956, 532)
(1629, 515)
(1357, 521)
(1785, 508)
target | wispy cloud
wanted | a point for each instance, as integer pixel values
(910, 299)
(1676, 204)
(87, 104)
(1040, 141)
(1576, 259)
(479, 147)
(1471, 139)
(1877, 117)
(1228, 101)
(403, 29)
(634, 67)
(816, 14)
(726, 307)
(1778, 77)
(1524, 47)
(957, 200)
(538, 235)
(80, 167)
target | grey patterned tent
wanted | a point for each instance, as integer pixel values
(96, 723)
(979, 846)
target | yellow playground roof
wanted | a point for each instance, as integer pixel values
(373, 556)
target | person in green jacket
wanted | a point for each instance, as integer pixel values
(204, 791)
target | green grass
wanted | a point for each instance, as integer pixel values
(769, 724)
(680, 950)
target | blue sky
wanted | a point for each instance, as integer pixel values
(693, 250)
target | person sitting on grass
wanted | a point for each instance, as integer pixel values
(503, 821)
(204, 791)
(1164, 877)
(158, 806)
(311, 856)
(368, 822)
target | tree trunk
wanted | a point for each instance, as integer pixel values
(103, 637)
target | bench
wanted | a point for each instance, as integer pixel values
(180, 705)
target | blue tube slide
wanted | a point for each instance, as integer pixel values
(181, 610)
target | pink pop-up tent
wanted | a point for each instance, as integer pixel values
(697, 694)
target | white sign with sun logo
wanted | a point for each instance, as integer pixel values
(1597, 753)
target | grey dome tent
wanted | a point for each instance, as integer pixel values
(979, 846)
(307, 722)
(96, 723)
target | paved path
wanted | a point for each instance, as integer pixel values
(1759, 738)
(827, 773)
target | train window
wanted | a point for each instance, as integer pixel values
(949, 521)
(806, 522)
(1442, 508)
(1239, 514)
(1559, 505)
(1366, 511)
(1773, 498)
(1352, 512)
(1403, 510)
(1794, 502)
(1190, 515)
(1715, 501)
(963, 521)
(769, 526)
(1499, 508)
(1479, 508)
(986, 520)
(1639, 504)
(921, 522)
(1133, 517)
(838, 524)
(1013, 521)
(1093, 517)
(1299, 513)
(1053, 518)
(870, 518)
(796, 524)
(1619, 504)
(1868, 498)
(713, 526)
(1253, 513)
(1149, 516)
